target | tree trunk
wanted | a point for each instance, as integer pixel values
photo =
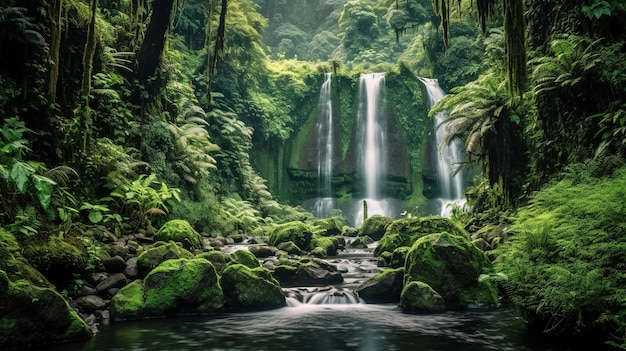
(55, 46)
(149, 55)
(90, 50)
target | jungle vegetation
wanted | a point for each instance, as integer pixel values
(120, 115)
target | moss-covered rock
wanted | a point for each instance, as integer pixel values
(251, 289)
(308, 271)
(180, 231)
(384, 287)
(245, 258)
(178, 286)
(328, 226)
(419, 297)
(451, 265)
(56, 259)
(326, 246)
(218, 258)
(299, 233)
(405, 231)
(398, 256)
(375, 226)
(32, 316)
(158, 253)
(361, 242)
(290, 247)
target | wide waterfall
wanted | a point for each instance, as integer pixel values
(325, 148)
(449, 155)
(371, 143)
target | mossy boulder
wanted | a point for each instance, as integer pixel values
(251, 289)
(158, 253)
(299, 233)
(56, 259)
(290, 247)
(178, 286)
(245, 258)
(308, 271)
(326, 246)
(218, 258)
(419, 297)
(375, 226)
(384, 287)
(405, 231)
(398, 256)
(31, 316)
(451, 265)
(180, 231)
(328, 226)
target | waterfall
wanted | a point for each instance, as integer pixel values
(324, 128)
(449, 155)
(371, 142)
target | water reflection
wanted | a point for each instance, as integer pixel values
(361, 327)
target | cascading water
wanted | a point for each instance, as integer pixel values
(371, 143)
(325, 147)
(449, 155)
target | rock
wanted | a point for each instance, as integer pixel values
(330, 226)
(381, 262)
(308, 272)
(115, 264)
(102, 315)
(375, 226)
(91, 303)
(178, 286)
(299, 233)
(248, 289)
(180, 231)
(57, 259)
(117, 280)
(326, 246)
(384, 287)
(361, 242)
(263, 251)
(419, 297)
(131, 271)
(87, 290)
(142, 238)
(214, 242)
(290, 247)
(158, 253)
(405, 231)
(31, 316)
(111, 292)
(118, 248)
(133, 246)
(398, 257)
(451, 265)
(96, 278)
(245, 258)
(217, 258)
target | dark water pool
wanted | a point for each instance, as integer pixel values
(321, 327)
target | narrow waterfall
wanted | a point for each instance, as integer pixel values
(324, 128)
(449, 156)
(371, 142)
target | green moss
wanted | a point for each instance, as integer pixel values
(375, 226)
(218, 258)
(328, 226)
(57, 259)
(398, 256)
(404, 232)
(245, 258)
(179, 230)
(384, 287)
(325, 245)
(298, 232)
(249, 289)
(129, 302)
(419, 297)
(451, 265)
(160, 252)
(182, 286)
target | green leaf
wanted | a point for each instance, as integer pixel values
(20, 173)
(95, 217)
(44, 187)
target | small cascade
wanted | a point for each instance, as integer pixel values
(449, 156)
(325, 147)
(371, 143)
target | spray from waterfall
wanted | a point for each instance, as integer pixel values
(449, 156)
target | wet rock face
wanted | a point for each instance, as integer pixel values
(307, 272)
(419, 297)
(247, 289)
(384, 287)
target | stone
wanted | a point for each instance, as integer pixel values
(398, 257)
(142, 238)
(451, 265)
(131, 270)
(290, 247)
(375, 226)
(419, 297)
(308, 272)
(158, 253)
(263, 251)
(117, 280)
(245, 258)
(217, 258)
(299, 233)
(180, 231)
(405, 231)
(115, 264)
(91, 303)
(251, 289)
(384, 287)
(330, 226)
